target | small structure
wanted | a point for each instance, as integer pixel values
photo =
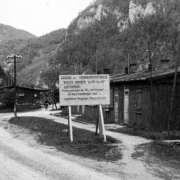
(143, 99)
(27, 96)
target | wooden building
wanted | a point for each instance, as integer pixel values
(143, 99)
(27, 95)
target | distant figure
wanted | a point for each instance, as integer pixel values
(46, 104)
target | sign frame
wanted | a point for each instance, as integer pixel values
(84, 90)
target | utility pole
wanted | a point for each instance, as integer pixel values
(128, 64)
(174, 87)
(151, 82)
(12, 59)
(173, 92)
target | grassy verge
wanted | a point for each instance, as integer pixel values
(5, 110)
(85, 143)
(148, 134)
(79, 118)
(153, 135)
(157, 153)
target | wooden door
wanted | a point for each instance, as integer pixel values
(126, 106)
(138, 106)
(116, 105)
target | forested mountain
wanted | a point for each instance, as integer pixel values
(36, 53)
(10, 39)
(107, 34)
(10, 33)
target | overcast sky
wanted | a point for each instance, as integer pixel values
(40, 16)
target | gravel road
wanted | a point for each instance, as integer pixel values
(22, 162)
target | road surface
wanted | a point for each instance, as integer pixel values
(20, 160)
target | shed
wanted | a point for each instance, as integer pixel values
(143, 99)
(27, 95)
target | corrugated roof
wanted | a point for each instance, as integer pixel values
(140, 76)
(24, 88)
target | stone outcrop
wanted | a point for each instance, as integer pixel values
(93, 13)
(136, 10)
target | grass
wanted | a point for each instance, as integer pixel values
(5, 110)
(79, 118)
(8, 110)
(166, 155)
(85, 143)
(167, 152)
(154, 135)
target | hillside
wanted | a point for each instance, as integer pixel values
(111, 33)
(10, 33)
(108, 34)
(36, 52)
(10, 39)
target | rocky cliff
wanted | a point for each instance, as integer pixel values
(124, 10)
(110, 31)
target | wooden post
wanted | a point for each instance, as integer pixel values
(70, 126)
(83, 109)
(97, 119)
(14, 57)
(128, 64)
(173, 93)
(101, 124)
(78, 109)
(15, 90)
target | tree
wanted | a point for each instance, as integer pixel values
(7, 98)
(4, 76)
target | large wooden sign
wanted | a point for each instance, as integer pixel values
(84, 89)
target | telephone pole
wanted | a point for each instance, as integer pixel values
(12, 59)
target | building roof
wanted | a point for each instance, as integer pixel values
(142, 76)
(30, 88)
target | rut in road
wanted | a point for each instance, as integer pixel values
(39, 165)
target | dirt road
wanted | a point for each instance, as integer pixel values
(21, 160)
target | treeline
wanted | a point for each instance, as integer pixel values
(35, 52)
(104, 45)
(5, 78)
(108, 43)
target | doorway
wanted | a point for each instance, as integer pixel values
(126, 106)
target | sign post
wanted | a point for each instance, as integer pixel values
(102, 128)
(85, 90)
(70, 125)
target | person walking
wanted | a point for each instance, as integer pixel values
(46, 104)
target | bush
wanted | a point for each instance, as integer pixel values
(7, 98)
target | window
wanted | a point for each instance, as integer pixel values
(126, 92)
(21, 94)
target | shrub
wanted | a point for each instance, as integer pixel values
(7, 98)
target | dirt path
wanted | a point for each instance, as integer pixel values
(131, 168)
(42, 165)
(20, 161)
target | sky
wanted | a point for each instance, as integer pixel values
(40, 17)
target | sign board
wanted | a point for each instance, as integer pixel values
(84, 89)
